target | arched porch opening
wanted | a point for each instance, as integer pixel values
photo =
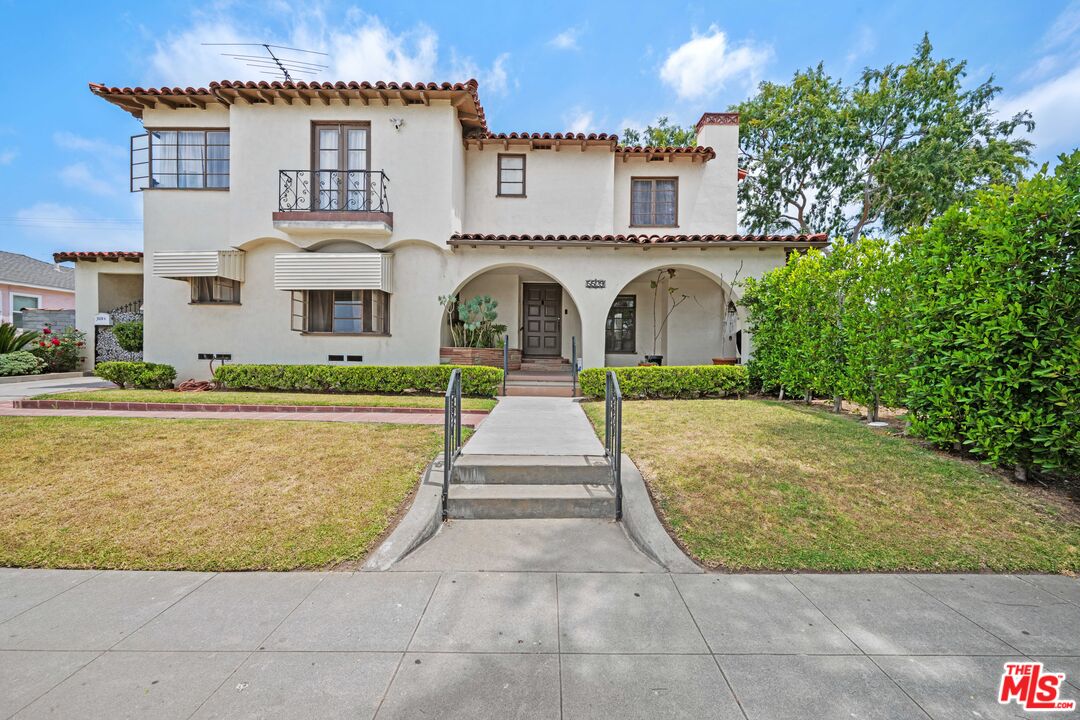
(541, 317)
(682, 314)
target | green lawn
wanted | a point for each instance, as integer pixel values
(751, 484)
(201, 494)
(227, 397)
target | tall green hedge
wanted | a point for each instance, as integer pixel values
(669, 381)
(994, 348)
(476, 380)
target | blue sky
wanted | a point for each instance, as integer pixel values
(559, 66)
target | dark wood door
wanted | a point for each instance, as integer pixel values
(543, 320)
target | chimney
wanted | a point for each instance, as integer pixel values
(720, 131)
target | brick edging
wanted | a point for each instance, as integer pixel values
(218, 407)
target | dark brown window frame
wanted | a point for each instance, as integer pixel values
(653, 179)
(299, 313)
(150, 159)
(498, 175)
(633, 339)
(343, 152)
(216, 280)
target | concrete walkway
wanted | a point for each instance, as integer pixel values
(435, 417)
(535, 426)
(21, 390)
(148, 645)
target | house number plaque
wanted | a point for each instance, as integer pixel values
(596, 284)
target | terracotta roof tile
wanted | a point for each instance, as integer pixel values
(113, 255)
(817, 239)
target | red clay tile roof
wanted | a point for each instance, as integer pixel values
(229, 92)
(111, 255)
(815, 240)
(705, 153)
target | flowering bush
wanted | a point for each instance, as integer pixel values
(59, 350)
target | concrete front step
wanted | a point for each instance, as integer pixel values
(547, 390)
(532, 470)
(505, 502)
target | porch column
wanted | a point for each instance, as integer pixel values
(593, 321)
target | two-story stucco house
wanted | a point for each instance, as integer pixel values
(321, 222)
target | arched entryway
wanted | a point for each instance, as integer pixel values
(680, 313)
(541, 317)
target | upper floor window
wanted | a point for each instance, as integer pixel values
(180, 159)
(654, 202)
(511, 175)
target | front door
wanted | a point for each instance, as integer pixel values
(543, 320)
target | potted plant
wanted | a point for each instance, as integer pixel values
(656, 358)
(476, 337)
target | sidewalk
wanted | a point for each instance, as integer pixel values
(434, 417)
(152, 645)
(535, 426)
(29, 388)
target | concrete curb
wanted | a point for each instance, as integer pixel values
(644, 528)
(421, 522)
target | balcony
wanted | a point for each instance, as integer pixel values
(352, 202)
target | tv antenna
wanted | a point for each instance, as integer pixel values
(273, 63)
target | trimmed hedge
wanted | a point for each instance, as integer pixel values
(144, 375)
(673, 381)
(20, 362)
(476, 380)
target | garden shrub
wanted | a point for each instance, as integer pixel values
(144, 375)
(61, 351)
(20, 362)
(129, 335)
(669, 381)
(994, 350)
(12, 338)
(476, 380)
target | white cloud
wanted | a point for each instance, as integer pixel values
(358, 46)
(1054, 105)
(1065, 26)
(7, 155)
(706, 63)
(63, 227)
(493, 80)
(567, 39)
(71, 141)
(865, 42)
(579, 121)
(80, 177)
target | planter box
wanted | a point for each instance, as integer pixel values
(492, 357)
(725, 361)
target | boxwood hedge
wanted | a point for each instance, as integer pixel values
(676, 381)
(476, 380)
(149, 376)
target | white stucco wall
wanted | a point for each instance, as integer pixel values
(97, 288)
(436, 188)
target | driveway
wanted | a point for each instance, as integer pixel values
(454, 644)
(29, 388)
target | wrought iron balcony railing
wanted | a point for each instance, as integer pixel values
(333, 191)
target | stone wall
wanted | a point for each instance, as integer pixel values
(35, 319)
(106, 348)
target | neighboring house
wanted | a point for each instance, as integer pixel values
(26, 283)
(320, 222)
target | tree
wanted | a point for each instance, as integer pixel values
(663, 134)
(889, 152)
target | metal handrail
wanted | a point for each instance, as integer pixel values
(333, 191)
(451, 433)
(613, 435)
(506, 361)
(573, 365)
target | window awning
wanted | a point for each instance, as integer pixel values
(333, 271)
(209, 263)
